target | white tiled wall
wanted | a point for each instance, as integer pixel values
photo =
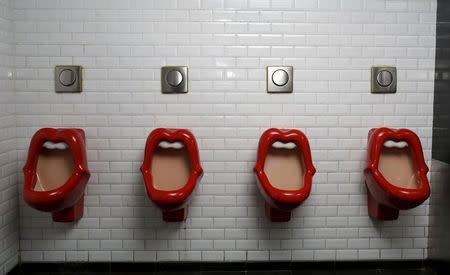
(227, 44)
(9, 237)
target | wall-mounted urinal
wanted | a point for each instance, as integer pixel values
(56, 173)
(171, 170)
(284, 171)
(396, 173)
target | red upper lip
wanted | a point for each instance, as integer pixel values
(171, 135)
(74, 138)
(376, 142)
(292, 135)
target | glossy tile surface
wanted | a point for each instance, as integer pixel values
(227, 44)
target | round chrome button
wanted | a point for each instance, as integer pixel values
(280, 77)
(174, 78)
(384, 78)
(67, 77)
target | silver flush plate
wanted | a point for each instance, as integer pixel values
(68, 79)
(279, 79)
(174, 79)
(383, 79)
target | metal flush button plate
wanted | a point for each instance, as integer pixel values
(174, 79)
(280, 79)
(68, 79)
(383, 79)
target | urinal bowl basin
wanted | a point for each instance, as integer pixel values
(396, 172)
(56, 173)
(284, 171)
(171, 170)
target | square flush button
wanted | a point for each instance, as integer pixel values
(383, 80)
(280, 79)
(68, 79)
(174, 79)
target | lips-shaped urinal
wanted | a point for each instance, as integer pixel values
(284, 171)
(171, 170)
(56, 173)
(396, 173)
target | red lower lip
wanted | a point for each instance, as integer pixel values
(66, 201)
(379, 136)
(171, 200)
(280, 203)
(385, 199)
(267, 139)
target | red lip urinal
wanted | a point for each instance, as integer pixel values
(171, 170)
(284, 171)
(396, 173)
(56, 173)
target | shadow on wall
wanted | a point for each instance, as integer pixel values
(439, 216)
(439, 240)
(441, 115)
